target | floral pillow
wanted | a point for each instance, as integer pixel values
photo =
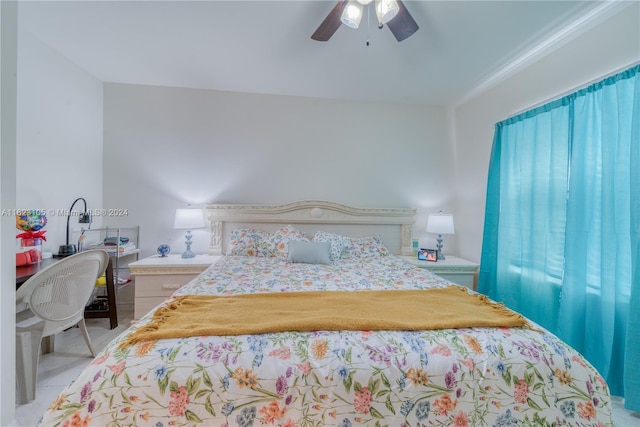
(280, 240)
(365, 247)
(250, 242)
(338, 243)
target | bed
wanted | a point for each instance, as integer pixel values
(475, 376)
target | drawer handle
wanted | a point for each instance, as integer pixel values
(170, 286)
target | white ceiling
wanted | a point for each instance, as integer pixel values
(265, 46)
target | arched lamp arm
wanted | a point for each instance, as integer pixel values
(85, 217)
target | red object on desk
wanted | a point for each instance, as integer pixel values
(21, 259)
(28, 257)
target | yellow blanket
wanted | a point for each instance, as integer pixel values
(447, 308)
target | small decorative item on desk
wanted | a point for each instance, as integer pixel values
(31, 223)
(163, 250)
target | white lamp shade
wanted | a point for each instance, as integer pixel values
(188, 219)
(440, 223)
(386, 10)
(352, 14)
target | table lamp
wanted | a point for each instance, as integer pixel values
(188, 219)
(440, 223)
(83, 218)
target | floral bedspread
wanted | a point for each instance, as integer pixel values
(464, 377)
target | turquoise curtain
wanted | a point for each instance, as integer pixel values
(562, 224)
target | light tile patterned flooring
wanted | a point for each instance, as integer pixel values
(58, 369)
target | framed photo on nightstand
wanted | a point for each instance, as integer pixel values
(428, 255)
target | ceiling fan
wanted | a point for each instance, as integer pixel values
(393, 13)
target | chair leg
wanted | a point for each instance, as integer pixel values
(27, 356)
(85, 334)
(48, 344)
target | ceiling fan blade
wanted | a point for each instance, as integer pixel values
(331, 23)
(402, 25)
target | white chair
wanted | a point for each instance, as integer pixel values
(51, 301)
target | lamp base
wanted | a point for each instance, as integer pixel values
(188, 254)
(66, 250)
(439, 254)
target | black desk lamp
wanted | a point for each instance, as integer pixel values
(85, 218)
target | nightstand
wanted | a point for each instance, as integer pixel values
(157, 278)
(457, 270)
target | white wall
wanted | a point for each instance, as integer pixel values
(165, 147)
(51, 153)
(59, 136)
(608, 47)
(8, 91)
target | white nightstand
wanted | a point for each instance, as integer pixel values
(452, 268)
(158, 277)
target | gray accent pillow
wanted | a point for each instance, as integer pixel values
(338, 243)
(309, 252)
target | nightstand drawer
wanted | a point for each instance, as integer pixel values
(160, 285)
(157, 278)
(454, 269)
(463, 279)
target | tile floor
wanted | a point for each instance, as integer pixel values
(58, 369)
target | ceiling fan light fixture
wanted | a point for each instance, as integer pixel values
(386, 10)
(352, 14)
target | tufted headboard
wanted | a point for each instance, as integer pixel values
(393, 225)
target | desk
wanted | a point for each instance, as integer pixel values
(23, 273)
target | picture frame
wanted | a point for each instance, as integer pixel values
(428, 255)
